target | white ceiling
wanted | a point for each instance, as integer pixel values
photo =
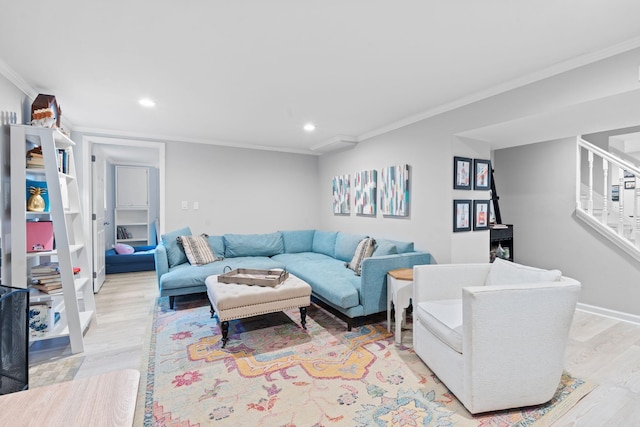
(251, 73)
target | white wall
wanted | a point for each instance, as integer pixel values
(428, 147)
(537, 195)
(239, 190)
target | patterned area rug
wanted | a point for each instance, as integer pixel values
(274, 373)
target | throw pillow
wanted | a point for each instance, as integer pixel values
(175, 253)
(122, 249)
(197, 249)
(364, 250)
(385, 247)
(509, 273)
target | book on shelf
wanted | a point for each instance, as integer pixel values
(47, 268)
(51, 290)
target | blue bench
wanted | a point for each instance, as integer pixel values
(141, 260)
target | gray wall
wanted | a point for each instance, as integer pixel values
(537, 195)
(239, 190)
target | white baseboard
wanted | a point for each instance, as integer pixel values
(613, 314)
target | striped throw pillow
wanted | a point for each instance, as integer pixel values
(197, 249)
(364, 250)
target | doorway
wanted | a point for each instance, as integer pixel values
(99, 155)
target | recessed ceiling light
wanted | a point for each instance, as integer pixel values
(309, 127)
(146, 102)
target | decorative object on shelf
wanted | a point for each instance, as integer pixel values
(41, 318)
(365, 192)
(461, 215)
(482, 175)
(37, 196)
(394, 195)
(341, 194)
(461, 173)
(481, 215)
(45, 111)
(39, 236)
(35, 203)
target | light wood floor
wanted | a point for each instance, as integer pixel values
(602, 350)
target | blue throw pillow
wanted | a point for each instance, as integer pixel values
(324, 242)
(297, 241)
(346, 245)
(217, 244)
(402, 247)
(175, 253)
(237, 245)
(385, 247)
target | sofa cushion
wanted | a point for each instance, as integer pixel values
(296, 241)
(217, 246)
(238, 245)
(185, 275)
(329, 279)
(324, 242)
(384, 247)
(401, 247)
(175, 253)
(197, 249)
(509, 273)
(444, 319)
(346, 245)
(364, 250)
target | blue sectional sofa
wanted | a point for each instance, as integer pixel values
(318, 257)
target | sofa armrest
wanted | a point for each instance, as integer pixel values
(445, 281)
(373, 280)
(161, 261)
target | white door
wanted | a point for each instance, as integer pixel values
(98, 172)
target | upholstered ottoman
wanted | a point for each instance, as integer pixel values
(236, 301)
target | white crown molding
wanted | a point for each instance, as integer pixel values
(556, 69)
(612, 314)
(167, 138)
(17, 80)
(337, 143)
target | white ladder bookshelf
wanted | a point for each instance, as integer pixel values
(76, 305)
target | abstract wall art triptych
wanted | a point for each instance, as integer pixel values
(393, 193)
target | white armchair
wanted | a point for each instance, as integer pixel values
(494, 334)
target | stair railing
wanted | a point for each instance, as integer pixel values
(627, 178)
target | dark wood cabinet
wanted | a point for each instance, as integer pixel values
(501, 236)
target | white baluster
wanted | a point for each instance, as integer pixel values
(605, 198)
(636, 216)
(621, 202)
(590, 194)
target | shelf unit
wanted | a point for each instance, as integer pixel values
(76, 304)
(132, 205)
(501, 236)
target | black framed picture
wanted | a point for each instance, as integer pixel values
(481, 174)
(615, 193)
(481, 214)
(628, 185)
(461, 215)
(462, 173)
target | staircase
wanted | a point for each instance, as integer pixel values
(597, 173)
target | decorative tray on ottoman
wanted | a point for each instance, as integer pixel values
(247, 276)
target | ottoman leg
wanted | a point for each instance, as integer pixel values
(225, 333)
(303, 317)
(212, 311)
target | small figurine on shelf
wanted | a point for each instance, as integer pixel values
(36, 203)
(45, 112)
